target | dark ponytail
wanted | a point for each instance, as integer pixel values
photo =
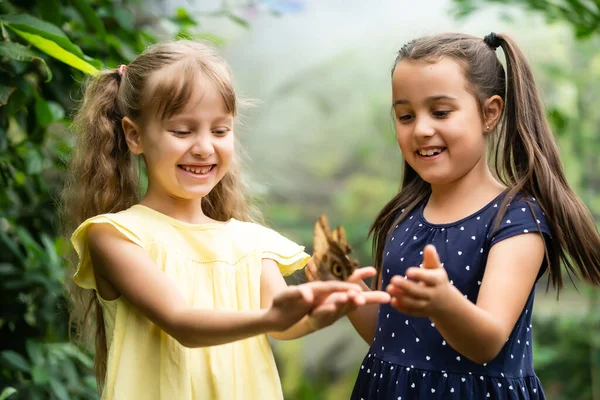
(526, 156)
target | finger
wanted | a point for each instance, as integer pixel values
(310, 270)
(337, 298)
(356, 298)
(306, 293)
(412, 289)
(320, 288)
(360, 274)
(408, 305)
(397, 305)
(376, 297)
(431, 259)
(428, 276)
(394, 291)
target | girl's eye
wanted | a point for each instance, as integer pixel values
(180, 133)
(404, 118)
(441, 114)
(221, 131)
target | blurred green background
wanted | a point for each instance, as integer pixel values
(320, 141)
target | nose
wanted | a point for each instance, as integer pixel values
(203, 145)
(423, 127)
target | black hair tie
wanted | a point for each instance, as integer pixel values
(492, 41)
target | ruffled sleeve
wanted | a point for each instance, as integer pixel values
(84, 276)
(288, 255)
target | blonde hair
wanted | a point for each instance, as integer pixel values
(104, 177)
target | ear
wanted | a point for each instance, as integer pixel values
(492, 111)
(132, 135)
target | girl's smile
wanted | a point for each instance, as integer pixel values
(197, 171)
(430, 153)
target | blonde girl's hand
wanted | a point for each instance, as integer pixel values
(339, 304)
(425, 290)
(357, 277)
(334, 307)
(294, 302)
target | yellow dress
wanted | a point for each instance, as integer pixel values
(215, 266)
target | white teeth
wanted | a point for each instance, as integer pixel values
(430, 152)
(197, 170)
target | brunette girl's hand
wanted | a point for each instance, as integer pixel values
(310, 270)
(424, 291)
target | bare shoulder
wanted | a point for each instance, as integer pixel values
(107, 245)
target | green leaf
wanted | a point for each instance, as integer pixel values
(54, 50)
(121, 47)
(124, 18)
(47, 112)
(22, 53)
(43, 114)
(16, 360)
(17, 51)
(5, 93)
(70, 372)
(35, 353)
(7, 392)
(59, 389)
(182, 18)
(79, 355)
(238, 20)
(39, 375)
(11, 245)
(214, 39)
(52, 260)
(58, 112)
(7, 269)
(17, 102)
(34, 26)
(90, 16)
(47, 10)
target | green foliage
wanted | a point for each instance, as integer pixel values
(582, 15)
(325, 380)
(566, 353)
(41, 69)
(51, 370)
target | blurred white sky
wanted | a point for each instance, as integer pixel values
(322, 75)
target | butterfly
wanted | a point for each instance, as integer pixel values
(330, 252)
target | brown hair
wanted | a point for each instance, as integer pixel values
(104, 176)
(526, 157)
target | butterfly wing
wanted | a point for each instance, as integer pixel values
(331, 251)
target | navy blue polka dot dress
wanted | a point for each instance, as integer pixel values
(408, 358)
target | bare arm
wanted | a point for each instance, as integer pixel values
(363, 318)
(133, 274)
(272, 283)
(478, 331)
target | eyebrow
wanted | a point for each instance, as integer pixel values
(430, 99)
(191, 119)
